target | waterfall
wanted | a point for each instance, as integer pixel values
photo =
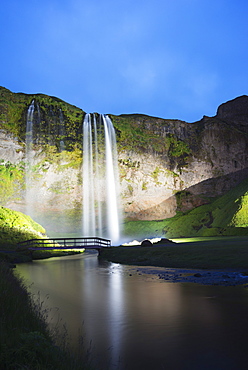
(89, 214)
(101, 215)
(29, 129)
(29, 196)
(39, 128)
(111, 179)
(61, 131)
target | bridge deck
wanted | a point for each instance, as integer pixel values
(64, 243)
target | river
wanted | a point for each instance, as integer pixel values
(132, 320)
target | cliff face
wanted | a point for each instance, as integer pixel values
(164, 165)
(197, 161)
(235, 112)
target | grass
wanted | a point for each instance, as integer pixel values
(203, 253)
(25, 342)
(225, 216)
(16, 227)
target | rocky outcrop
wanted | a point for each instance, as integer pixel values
(10, 148)
(154, 184)
(235, 112)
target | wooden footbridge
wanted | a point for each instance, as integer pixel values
(64, 243)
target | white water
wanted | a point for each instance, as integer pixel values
(101, 211)
(29, 196)
(101, 215)
(88, 191)
(111, 180)
(29, 128)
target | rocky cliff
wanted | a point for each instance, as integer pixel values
(165, 165)
(199, 160)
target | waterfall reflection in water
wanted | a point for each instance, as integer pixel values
(136, 321)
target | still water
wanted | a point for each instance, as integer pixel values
(131, 320)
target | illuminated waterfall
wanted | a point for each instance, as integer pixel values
(101, 214)
(29, 128)
(29, 196)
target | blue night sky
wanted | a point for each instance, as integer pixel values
(166, 58)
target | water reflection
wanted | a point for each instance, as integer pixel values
(140, 322)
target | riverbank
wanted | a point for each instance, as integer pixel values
(12, 257)
(205, 261)
(225, 277)
(25, 341)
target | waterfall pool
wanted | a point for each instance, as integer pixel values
(132, 319)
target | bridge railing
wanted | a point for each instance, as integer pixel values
(64, 243)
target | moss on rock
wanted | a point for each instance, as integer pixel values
(54, 119)
(16, 227)
(11, 181)
(225, 216)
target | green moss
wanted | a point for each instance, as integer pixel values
(63, 160)
(181, 196)
(122, 172)
(220, 216)
(49, 113)
(171, 173)
(176, 147)
(56, 121)
(11, 181)
(129, 163)
(225, 216)
(143, 229)
(155, 174)
(130, 189)
(16, 227)
(241, 217)
(134, 134)
(144, 185)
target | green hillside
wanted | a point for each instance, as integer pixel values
(227, 215)
(16, 227)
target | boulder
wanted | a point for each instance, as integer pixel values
(146, 243)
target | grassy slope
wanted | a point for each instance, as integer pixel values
(16, 227)
(227, 215)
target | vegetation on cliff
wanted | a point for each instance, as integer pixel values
(54, 119)
(138, 133)
(225, 216)
(11, 181)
